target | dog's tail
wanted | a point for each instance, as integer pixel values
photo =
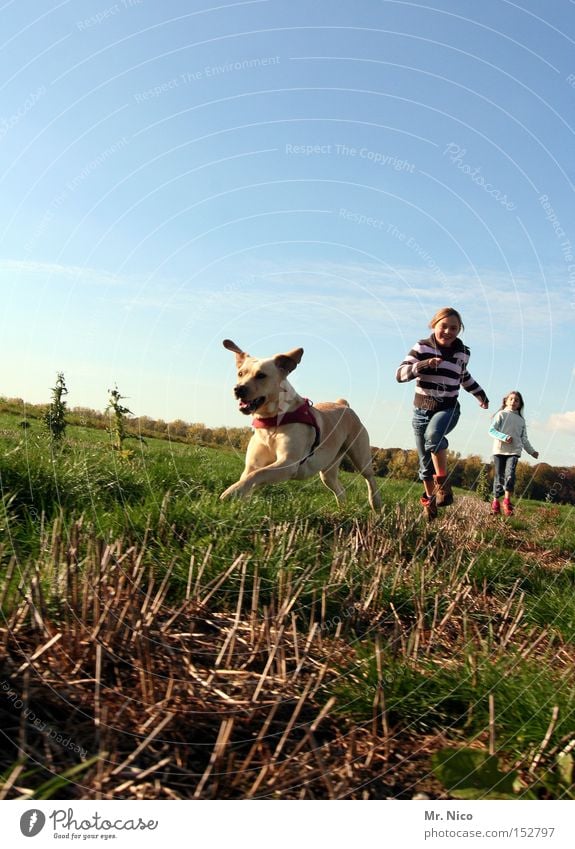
(342, 402)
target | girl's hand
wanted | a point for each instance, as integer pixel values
(432, 362)
(484, 405)
(509, 440)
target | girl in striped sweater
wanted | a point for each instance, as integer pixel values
(439, 367)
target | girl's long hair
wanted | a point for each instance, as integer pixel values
(521, 401)
(446, 312)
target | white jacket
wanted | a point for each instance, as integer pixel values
(508, 423)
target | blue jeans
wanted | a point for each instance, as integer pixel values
(430, 429)
(504, 467)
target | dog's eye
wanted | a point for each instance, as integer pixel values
(240, 374)
(260, 375)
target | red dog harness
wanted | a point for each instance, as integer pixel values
(302, 415)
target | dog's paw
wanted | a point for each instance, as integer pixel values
(233, 491)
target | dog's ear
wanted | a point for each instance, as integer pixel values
(289, 361)
(231, 346)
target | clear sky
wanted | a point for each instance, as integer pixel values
(289, 174)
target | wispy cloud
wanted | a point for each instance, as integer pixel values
(56, 271)
(408, 296)
(375, 296)
(564, 422)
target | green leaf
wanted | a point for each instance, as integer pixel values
(565, 768)
(53, 785)
(474, 774)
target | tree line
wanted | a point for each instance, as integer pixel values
(553, 484)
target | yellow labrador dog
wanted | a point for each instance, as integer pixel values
(293, 440)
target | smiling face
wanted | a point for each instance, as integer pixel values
(447, 330)
(260, 382)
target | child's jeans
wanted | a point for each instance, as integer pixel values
(430, 429)
(504, 467)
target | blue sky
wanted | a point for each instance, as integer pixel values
(288, 175)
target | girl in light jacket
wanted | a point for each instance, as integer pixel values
(509, 434)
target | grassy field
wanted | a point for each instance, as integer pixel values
(158, 643)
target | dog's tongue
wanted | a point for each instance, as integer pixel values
(243, 405)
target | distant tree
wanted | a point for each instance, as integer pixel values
(404, 465)
(524, 480)
(470, 471)
(456, 468)
(144, 425)
(567, 481)
(381, 460)
(178, 428)
(55, 416)
(543, 482)
(219, 436)
(238, 437)
(86, 417)
(197, 432)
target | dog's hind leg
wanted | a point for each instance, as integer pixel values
(359, 454)
(330, 479)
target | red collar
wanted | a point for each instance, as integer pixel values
(301, 415)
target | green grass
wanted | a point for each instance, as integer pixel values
(463, 609)
(454, 696)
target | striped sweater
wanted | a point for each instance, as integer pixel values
(437, 389)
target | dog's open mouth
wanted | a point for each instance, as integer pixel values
(249, 407)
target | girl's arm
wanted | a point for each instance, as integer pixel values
(526, 444)
(471, 385)
(493, 430)
(498, 434)
(411, 366)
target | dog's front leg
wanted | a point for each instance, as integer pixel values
(281, 470)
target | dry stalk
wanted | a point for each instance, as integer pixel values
(143, 745)
(546, 739)
(217, 754)
(39, 652)
(204, 563)
(491, 724)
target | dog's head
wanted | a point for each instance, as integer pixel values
(262, 382)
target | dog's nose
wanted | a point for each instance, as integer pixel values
(240, 391)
